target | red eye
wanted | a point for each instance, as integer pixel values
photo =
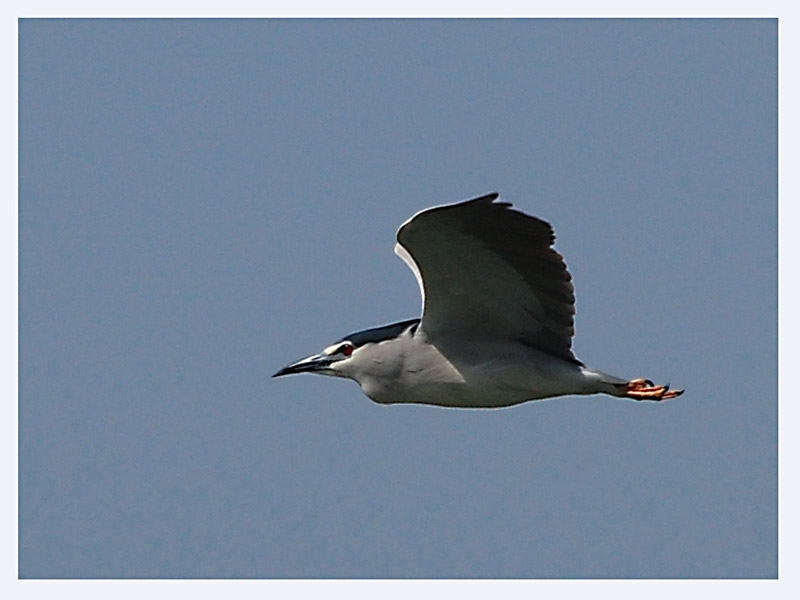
(346, 349)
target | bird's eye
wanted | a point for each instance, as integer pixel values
(346, 349)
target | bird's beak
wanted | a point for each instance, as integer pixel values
(311, 364)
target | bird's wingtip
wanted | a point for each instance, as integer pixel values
(490, 197)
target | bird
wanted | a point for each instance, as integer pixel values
(497, 322)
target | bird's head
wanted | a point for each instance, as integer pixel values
(342, 358)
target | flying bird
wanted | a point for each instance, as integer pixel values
(497, 321)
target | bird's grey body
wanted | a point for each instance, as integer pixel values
(497, 320)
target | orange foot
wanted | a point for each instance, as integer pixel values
(644, 389)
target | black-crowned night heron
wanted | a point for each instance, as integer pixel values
(497, 319)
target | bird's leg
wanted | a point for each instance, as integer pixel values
(644, 389)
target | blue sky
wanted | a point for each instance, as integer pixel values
(201, 202)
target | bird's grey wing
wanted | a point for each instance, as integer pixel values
(488, 271)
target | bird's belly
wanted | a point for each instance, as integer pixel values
(485, 376)
(486, 384)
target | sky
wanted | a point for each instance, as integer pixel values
(204, 201)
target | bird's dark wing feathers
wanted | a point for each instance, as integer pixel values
(492, 268)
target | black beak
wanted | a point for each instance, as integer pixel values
(310, 364)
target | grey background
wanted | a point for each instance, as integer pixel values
(201, 202)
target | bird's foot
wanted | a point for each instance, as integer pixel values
(644, 389)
